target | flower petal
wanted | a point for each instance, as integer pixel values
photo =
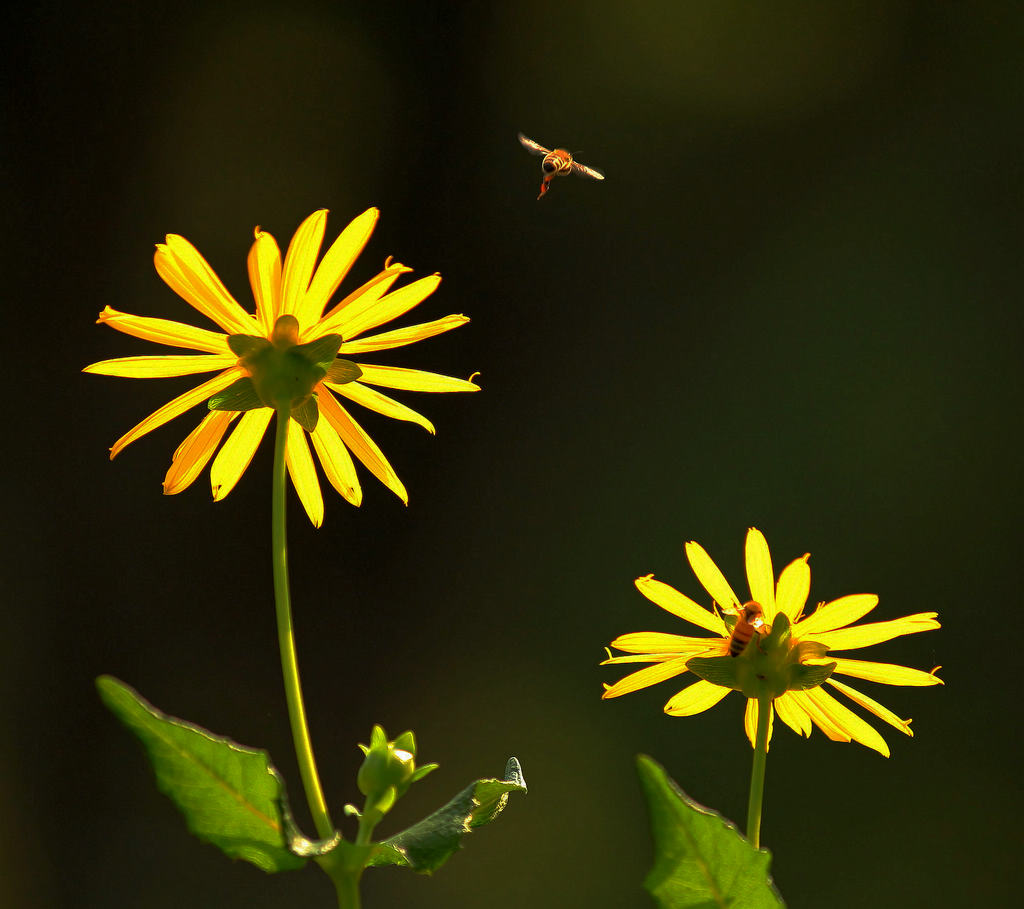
(872, 706)
(373, 400)
(236, 453)
(372, 290)
(847, 721)
(164, 331)
(794, 586)
(192, 455)
(161, 367)
(650, 675)
(793, 715)
(412, 379)
(399, 337)
(359, 443)
(303, 473)
(300, 260)
(700, 696)
(187, 273)
(178, 406)
(750, 715)
(265, 279)
(671, 600)
(837, 614)
(885, 673)
(800, 700)
(711, 578)
(659, 642)
(760, 576)
(336, 462)
(335, 266)
(639, 658)
(873, 633)
(363, 314)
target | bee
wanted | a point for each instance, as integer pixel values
(749, 620)
(557, 163)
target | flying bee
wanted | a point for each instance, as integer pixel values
(557, 163)
(749, 620)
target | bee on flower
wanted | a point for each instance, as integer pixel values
(790, 666)
(291, 355)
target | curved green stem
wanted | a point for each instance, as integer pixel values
(764, 715)
(286, 641)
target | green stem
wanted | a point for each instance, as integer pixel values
(764, 715)
(286, 642)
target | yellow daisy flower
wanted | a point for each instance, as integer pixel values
(825, 629)
(292, 308)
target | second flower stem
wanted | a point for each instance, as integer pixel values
(764, 717)
(286, 637)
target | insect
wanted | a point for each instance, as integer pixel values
(557, 163)
(749, 621)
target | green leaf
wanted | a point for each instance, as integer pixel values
(306, 414)
(320, 352)
(342, 371)
(804, 677)
(230, 795)
(247, 345)
(426, 846)
(701, 861)
(239, 395)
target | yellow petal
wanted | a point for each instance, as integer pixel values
(886, 673)
(192, 454)
(760, 576)
(793, 715)
(671, 600)
(659, 642)
(265, 279)
(187, 273)
(163, 331)
(639, 658)
(873, 633)
(644, 678)
(161, 367)
(711, 578)
(750, 715)
(794, 586)
(412, 379)
(303, 473)
(372, 290)
(335, 265)
(373, 400)
(359, 443)
(845, 721)
(363, 314)
(700, 696)
(236, 453)
(399, 337)
(837, 614)
(872, 706)
(176, 407)
(299, 262)
(800, 701)
(336, 462)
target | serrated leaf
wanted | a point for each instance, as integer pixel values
(701, 861)
(230, 795)
(239, 395)
(426, 846)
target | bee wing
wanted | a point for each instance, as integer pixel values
(532, 146)
(583, 171)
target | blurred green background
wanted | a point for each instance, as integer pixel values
(793, 304)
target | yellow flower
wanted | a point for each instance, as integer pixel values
(827, 626)
(301, 289)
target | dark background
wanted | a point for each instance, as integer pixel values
(793, 304)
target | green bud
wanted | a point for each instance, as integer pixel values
(769, 665)
(388, 769)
